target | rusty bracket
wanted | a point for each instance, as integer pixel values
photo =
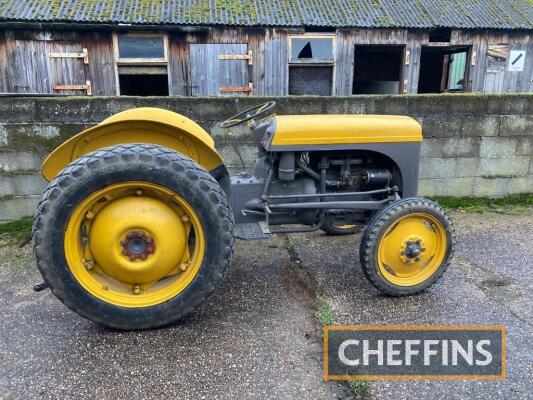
(238, 57)
(86, 87)
(240, 89)
(84, 54)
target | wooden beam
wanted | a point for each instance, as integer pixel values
(84, 54)
(86, 87)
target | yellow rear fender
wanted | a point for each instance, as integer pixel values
(139, 125)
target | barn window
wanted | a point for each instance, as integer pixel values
(311, 65)
(145, 47)
(142, 64)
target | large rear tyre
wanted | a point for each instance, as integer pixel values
(407, 246)
(133, 236)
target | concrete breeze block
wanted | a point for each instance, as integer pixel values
(457, 187)
(432, 148)
(509, 166)
(461, 147)
(496, 147)
(516, 125)
(20, 161)
(480, 125)
(493, 187)
(437, 168)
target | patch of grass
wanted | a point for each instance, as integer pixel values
(324, 313)
(360, 388)
(514, 204)
(16, 231)
(287, 243)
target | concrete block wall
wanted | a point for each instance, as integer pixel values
(474, 145)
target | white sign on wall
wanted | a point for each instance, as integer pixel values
(517, 60)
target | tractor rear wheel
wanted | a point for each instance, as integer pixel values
(407, 246)
(133, 236)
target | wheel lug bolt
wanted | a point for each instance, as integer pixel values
(139, 192)
(89, 264)
(143, 256)
(136, 289)
(185, 218)
(89, 215)
(125, 252)
(417, 259)
(402, 252)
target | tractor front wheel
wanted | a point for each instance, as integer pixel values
(133, 236)
(407, 246)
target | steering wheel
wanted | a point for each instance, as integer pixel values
(247, 115)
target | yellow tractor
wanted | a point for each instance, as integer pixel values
(137, 226)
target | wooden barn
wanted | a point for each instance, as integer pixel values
(265, 47)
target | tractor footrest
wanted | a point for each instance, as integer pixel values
(253, 231)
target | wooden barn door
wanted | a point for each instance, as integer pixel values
(29, 67)
(42, 66)
(66, 62)
(497, 55)
(219, 69)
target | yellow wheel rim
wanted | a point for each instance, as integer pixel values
(412, 249)
(134, 244)
(344, 226)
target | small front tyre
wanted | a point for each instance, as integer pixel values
(407, 246)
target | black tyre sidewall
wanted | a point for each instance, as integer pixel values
(174, 174)
(375, 231)
(332, 230)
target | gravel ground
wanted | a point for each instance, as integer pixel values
(256, 338)
(489, 282)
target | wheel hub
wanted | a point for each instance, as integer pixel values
(137, 245)
(412, 250)
(123, 239)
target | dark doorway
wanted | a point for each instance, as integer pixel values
(443, 69)
(377, 69)
(139, 84)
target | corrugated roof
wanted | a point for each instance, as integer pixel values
(498, 14)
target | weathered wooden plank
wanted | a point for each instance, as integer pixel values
(4, 65)
(66, 71)
(101, 68)
(276, 63)
(29, 67)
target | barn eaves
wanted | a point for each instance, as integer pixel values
(466, 14)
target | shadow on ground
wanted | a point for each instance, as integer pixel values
(257, 338)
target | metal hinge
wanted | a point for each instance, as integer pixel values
(240, 89)
(86, 87)
(238, 57)
(84, 54)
